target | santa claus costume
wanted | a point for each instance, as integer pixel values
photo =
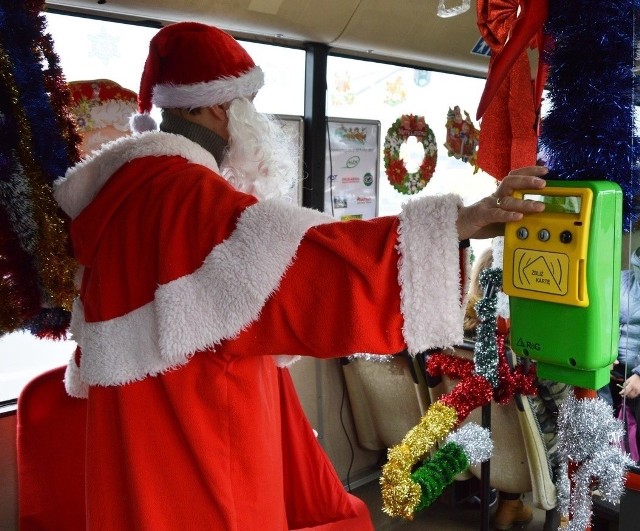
(101, 109)
(195, 295)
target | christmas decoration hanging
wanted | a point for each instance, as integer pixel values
(38, 143)
(509, 105)
(589, 131)
(588, 439)
(462, 137)
(471, 444)
(487, 377)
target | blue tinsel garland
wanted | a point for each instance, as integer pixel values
(20, 30)
(589, 133)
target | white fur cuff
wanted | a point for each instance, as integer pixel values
(429, 273)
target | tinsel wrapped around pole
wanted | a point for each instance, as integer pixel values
(588, 132)
(406, 489)
(591, 458)
(38, 142)
(471, 444)
(486, 352)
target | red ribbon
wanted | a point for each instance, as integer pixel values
(472, 390)
(412, 125)
(510, 104)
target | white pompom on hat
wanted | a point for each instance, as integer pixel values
(193, 65)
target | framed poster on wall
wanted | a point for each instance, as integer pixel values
(294, 128)
(352, 164)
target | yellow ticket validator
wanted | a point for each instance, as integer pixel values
(562, 274)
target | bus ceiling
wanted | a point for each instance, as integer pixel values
(410, 33)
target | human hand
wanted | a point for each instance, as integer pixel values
(486, 218)
(631, 387)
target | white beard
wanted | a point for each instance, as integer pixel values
(261, 158)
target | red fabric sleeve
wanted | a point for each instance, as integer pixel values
(357, 308)
(305, 466)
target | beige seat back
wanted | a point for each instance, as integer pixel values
(386, 401)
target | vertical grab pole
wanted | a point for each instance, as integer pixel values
(581, 394)
(485, 467)
(485, 470)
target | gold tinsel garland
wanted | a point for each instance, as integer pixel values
(400, 494)
(55, 266)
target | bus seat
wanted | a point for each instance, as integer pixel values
(50, 446)
(543, 487)
(519, 462)
(388, 397)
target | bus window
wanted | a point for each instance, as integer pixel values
(379, 91)
(24, 356)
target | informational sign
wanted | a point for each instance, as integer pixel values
(294, 128)
(352, 164)
(542, 272)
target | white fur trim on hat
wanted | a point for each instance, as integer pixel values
(208, 93)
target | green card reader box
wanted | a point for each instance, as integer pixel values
(562, 274)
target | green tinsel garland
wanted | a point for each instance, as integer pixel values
(435, 474)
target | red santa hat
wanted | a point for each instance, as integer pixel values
(193, 65)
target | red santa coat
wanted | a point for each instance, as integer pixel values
(193, 295)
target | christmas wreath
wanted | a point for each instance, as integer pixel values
(404, 127)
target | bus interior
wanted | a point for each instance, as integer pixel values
(333, 68)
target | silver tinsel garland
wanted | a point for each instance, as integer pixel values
(16, 200)
(474, 440)
(588, 436)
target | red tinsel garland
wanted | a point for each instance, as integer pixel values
(515, 381)
(19, 291)
(473, 390)
(470, 393)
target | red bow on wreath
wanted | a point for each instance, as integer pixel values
(412, 125)
(509, 107)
